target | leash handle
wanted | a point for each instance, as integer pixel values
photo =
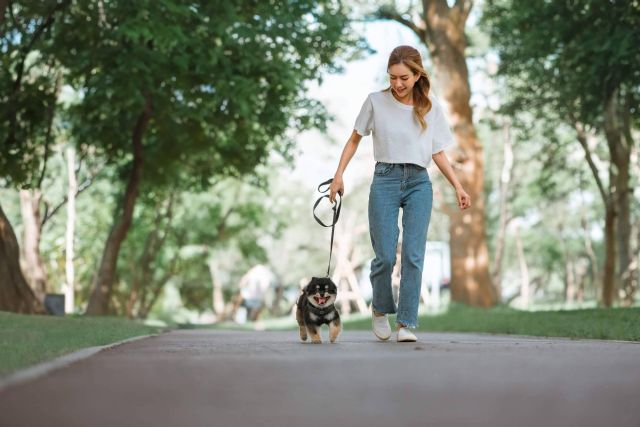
(336, 214)
(336, 207)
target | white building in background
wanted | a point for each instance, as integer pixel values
(436, 273)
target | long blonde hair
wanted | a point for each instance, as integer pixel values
(410, 57)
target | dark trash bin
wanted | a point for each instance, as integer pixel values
(54, 304)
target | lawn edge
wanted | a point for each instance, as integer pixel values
(41, 369)
(542, 337)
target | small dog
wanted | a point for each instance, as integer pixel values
(315, 308)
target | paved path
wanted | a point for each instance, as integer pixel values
(223, 378)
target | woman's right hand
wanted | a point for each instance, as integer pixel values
(337, 186)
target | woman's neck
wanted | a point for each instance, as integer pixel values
(407, 99)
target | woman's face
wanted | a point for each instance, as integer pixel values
(402, 79)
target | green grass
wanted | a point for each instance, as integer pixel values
(594, 323)
(27, 340)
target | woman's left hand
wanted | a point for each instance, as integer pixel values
(464, 201)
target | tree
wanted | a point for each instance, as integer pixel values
(185, 92)
(577, 63)
(442, 28)
(28, 89)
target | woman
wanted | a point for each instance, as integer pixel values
(409, 129)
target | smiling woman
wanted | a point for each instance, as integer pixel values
(409, 129)
(409, 81)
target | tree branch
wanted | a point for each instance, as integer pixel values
(389, 12)
(86, 184)
(464, 6)
(582, 139)
(47, 140)
(3, 8)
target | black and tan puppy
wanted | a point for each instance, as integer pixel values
(316, 307)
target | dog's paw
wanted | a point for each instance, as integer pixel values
(316, 341)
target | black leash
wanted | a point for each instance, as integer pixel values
(336, 214)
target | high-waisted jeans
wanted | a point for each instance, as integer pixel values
(395, 186)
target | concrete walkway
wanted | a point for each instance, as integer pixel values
(223, 378)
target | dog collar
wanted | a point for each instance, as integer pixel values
(317, 310)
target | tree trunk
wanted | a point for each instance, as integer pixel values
(633, 284)
(217, 298)
(15, 293)
(100, 296)
(608, 279)
(619, 144)
(33, 267)
(143, 271)
(145, 307)
(608, 199)
(505, 180)
(588, 246)
(446, 40)
(525, 286)
(635, 269)
(570, 280)
(569, 268)
(69, 286)
(442, 29)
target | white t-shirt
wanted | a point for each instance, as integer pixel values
(397, 135)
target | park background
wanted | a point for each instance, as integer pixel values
(159, 160)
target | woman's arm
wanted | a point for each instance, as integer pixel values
(440, 159)
(337, 186)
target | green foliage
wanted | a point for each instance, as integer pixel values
(569, 56)
(225, 79)
(29, 82)
(224, 224)
(560, 64)
(551, 197)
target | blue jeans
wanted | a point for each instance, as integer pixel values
(395, 186)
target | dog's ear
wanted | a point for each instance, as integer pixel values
(332, 288)
(312, 286)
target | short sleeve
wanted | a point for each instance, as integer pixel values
(442, 135)
(364, 121)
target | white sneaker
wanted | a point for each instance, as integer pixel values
(405, 335)
(381, 327)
